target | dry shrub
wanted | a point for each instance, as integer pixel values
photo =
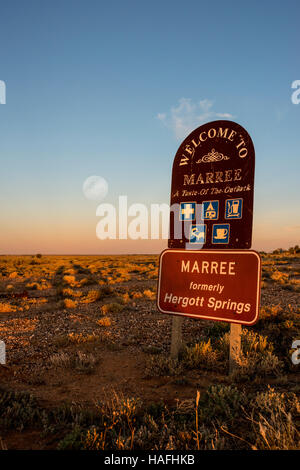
(295, 284)
(37, 300)
(119, 415)
(70, 292)
(106, 291)
(223, 402)
(113, 307)
(270, 311)
(153, 274)
(70, 280)
(75, 338)
(78, 338)
(105, 321)
(252, 365)
(87, 281)
(13, 275)
(126, 298)
(157, 365)
(81, 362)
(69, 303)
(256, 359)
(136, 295)
(254, 342)
(288, 324)
(61, 359)
(92, 296)
(32, 285)
(199, 355)
(119, 408)
(276, 434)
(272, 421)
(94, 440)
(84, 362)
(7, 308)
(41, 285)
(271, 400)
(251, 342)
(70, 271)
(149, 294)
(280, 276)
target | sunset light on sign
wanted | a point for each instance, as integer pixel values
(213, 285)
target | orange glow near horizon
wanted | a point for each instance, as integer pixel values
(71, 232)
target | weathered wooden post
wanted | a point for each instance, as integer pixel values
(234, 346)
(209, 270)
(176, 338)
(2, 353)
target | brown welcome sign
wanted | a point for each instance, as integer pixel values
(212, 188)
(212, 211)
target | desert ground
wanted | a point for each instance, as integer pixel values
(88, 363)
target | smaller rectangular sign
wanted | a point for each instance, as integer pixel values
(210, 284)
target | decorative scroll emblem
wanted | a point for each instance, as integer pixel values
(212, 156)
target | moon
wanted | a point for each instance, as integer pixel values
(95, 188)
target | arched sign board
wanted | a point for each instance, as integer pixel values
(212, 189)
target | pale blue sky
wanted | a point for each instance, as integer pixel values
(87, 82)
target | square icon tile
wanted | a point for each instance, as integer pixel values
(210, 210)
(220, 233)
(234, 208)
(187, 211)
(198, 234)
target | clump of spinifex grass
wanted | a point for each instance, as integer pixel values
(69, 303)
(80, 362)
(104, 321)
(199, 355)
(113, 307)
(92, 296)
(159, 365)
(75, 338)
(5, 307)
